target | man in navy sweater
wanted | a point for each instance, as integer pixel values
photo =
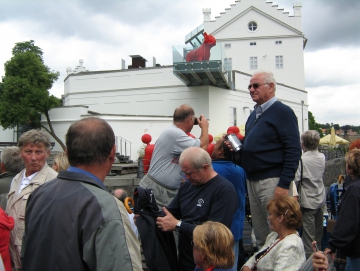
(271, 150)
(204, 196)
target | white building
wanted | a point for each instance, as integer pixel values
(251, 35)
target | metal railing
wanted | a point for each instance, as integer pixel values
(123, 146)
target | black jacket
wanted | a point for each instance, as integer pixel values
(346, 233)
(158, 246)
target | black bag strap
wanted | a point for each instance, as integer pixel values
(301, 178)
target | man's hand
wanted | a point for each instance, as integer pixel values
(280, 191)
(168, 222)
(204, 136)
(320, 261)
(203, 122)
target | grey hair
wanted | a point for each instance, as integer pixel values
(34, 137)
(310, 140)
(268, 77)
(197, 157)
(11, 159)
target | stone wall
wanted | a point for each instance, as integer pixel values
(333, 169)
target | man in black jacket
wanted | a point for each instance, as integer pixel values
(204, 196)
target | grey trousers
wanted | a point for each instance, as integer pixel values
(312, 228)
(260, 193)
(163, 195)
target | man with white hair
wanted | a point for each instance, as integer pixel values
(204, 196)
(271, 150)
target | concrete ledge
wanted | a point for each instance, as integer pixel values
(333, 168)
(127, 182)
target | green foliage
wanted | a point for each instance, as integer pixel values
(24, 90)
(313, 125)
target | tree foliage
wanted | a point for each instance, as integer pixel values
(313, 125)
(24, 90)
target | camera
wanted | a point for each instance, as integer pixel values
(196, 121)
(234, 142)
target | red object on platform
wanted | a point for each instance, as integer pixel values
(203, 52)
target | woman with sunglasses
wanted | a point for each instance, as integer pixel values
(213, 247)
(283, 249)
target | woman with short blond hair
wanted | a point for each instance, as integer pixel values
(61, 162)
(213, 247)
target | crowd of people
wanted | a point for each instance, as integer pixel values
(64, 218)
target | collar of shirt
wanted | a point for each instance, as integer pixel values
(30, 177)
(25, 181)
(87, 173)
(267, 104)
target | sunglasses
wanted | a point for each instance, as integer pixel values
(256, 86)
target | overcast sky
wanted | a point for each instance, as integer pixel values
(104, 32)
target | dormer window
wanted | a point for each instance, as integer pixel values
(252, 26)
(253, 43)
(278, 42)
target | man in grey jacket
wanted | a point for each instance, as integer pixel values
(73, 222)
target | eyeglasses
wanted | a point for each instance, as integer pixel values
(256, 85)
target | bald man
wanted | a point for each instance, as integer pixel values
(164, 176)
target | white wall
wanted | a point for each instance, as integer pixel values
(273, 25)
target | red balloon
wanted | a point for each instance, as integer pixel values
(210, 149)
(233, 130)
(240, 136)
(211, 138)
(146, 139)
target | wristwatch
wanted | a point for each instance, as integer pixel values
(177, 228)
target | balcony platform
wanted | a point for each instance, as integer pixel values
(201, 73)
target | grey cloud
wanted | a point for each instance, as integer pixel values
(76, 18)
(331, 24)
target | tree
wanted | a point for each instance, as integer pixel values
(313, 125)
(24, 90)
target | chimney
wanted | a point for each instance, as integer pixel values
(297, 9)
(297, 15)
(68, 70)
(122, 64)
(207, 14)
(81, 62)
(137, 62)
(154, 62)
